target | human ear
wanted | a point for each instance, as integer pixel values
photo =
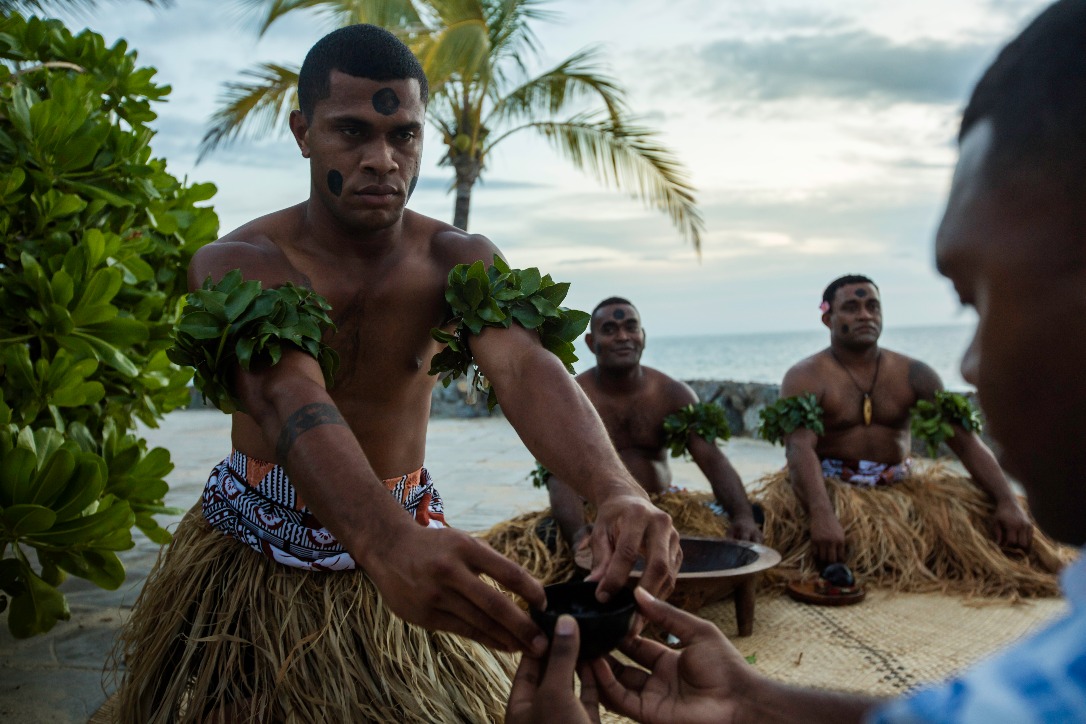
(588, 341)
(826, 319)
(299, 128)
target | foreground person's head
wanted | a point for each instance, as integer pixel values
(1013, 241)
(362, 96)
(852, 310)
(615, 334)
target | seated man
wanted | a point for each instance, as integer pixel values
(844, 416)
(634, 402)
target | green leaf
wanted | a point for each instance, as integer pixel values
(37, 609)
(21, 520)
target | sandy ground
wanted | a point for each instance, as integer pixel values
(480, 466)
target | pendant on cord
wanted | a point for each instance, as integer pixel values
(867, 409)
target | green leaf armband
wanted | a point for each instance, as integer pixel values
(933, 421)
(238, 323)
(704, 419)
(496, 296)
(789, 413)
(539, 475)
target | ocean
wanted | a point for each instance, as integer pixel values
(766, 357)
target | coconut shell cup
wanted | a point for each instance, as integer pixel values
(603, 626)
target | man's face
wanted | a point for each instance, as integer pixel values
(1015, 262)
(855, 316)
(617, 338)
(364, 144)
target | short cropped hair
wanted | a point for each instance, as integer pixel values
(1035, 97)
(831, 290)
(362, 51)
(612, 300)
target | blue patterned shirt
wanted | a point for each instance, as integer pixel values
(1040, 679)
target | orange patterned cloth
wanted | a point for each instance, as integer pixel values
(255, 502)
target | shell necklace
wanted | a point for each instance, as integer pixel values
(867, 407)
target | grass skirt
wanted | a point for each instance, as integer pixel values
(519, 538)
(221, 633)
(927, 533)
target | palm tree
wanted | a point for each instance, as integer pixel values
(474, 53)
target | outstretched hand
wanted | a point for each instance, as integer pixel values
(703, 681)
(431, 577)
(628, 526)
(745, 529)
(542, 697)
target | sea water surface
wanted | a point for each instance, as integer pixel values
(766, 357)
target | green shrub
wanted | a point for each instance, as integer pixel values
(96, 238)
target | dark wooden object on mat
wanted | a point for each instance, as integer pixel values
(712, 569)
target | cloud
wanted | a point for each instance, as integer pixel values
(847, 64)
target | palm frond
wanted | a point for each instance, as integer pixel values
(628, 157)
(460, 46)
(49, 6)
(252, 108)
(399, 16)
(509, 21)
(576, 77)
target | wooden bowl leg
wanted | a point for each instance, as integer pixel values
(744, 606)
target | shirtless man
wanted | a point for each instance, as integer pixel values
(384, 270)
(633, 401)
(866, 393)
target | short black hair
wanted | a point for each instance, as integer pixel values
(1034, 94)
(612, 300)
(831, 290)
(363, 51)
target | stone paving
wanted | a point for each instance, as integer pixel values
(481, 469)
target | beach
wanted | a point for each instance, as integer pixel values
(480, 467)
(889, 645)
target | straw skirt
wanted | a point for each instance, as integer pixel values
(927, 533)
(220, 633)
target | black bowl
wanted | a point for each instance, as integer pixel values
(602, 625)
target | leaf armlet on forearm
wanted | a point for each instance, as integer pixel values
(237, 323)
(704, 419)
(933, 421)
(539, 475)
(496, 296)
(787, 414)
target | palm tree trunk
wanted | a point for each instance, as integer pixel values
(463, 202)
(467, 169)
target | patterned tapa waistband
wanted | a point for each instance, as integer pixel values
(255, 502)
(865, 473)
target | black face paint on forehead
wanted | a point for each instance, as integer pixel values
(335, 182)
(411, 188)
(619, 314)
(861, 293)
(386, 102)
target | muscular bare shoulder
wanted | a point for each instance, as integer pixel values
(255, 249)
(452, 246)
(806, 376)
(672, 393)
(923, 380)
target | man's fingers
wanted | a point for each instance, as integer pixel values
(590, 695)
(488, 611)
(614, 693)
(562, 657)
(485, 559)
(454, 624)
(683, 625)
(525, 682)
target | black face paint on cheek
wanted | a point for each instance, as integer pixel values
(386, 102)
(411, 188)
(335, 182)
(844, 329)
(861, 293)
(619, 314)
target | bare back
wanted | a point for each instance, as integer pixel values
(901, 382)
(384, 303)
(635, 421)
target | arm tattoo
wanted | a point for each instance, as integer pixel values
(303, 419)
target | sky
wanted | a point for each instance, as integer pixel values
(820, 136)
